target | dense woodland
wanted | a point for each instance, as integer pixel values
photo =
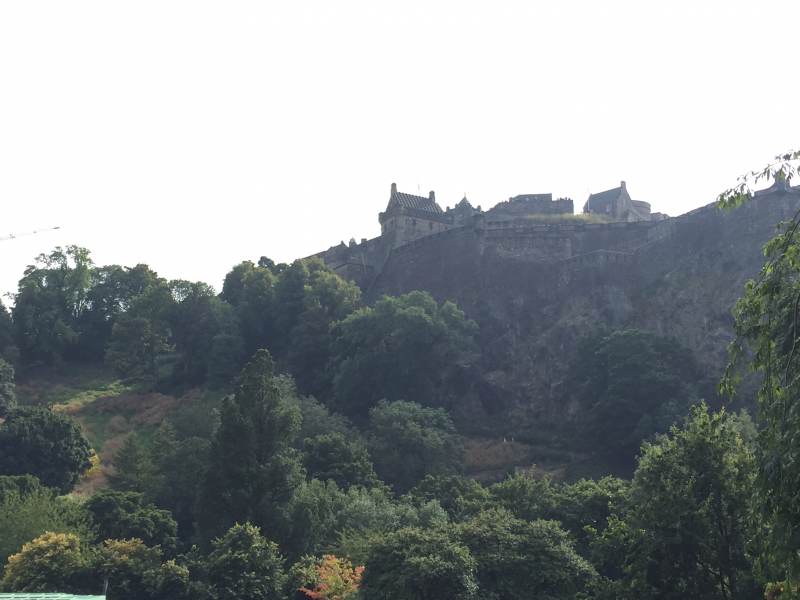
(331, 467)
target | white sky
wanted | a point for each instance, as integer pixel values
(193, 135)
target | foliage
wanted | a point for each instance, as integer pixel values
(340, 459)
(125, 515)
(244, 565)
(406, 347)
(766, 325)
(690, 498)
(527, 497)
(43, 443)
(336, 579)
(136, 572)
(134, 347)
(419, 564)
(51, 298)
(459, 496)
(53, 562)
(7, 348)
(252, 471)
(631, 384)
(28, 510)
(519, 560)
(408, 441)
(8, 399)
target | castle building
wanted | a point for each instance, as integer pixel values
(617, 205)
(408, 217)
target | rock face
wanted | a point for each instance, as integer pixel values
(536, 290)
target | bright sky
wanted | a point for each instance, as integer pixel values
(193, 135)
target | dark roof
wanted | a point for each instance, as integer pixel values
(415, 202)
(607, 196)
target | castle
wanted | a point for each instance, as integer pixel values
(533, 227)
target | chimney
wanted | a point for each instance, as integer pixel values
(432, 196)
(622, 185)
(394, 188)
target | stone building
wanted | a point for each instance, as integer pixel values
(617, 205)
(408, 217)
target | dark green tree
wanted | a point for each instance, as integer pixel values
(7, 349)
(8, 397)
(631, 384)
(408, 441)
(327, 298)
(51, 298)
(689, 527)
(253, 471)
(250, 289)
(419, 564)
(461, 497)
(244, 565)
(403, 347)
(49, 445)
(338, 458)
(125, 515)
(524, 560)
(767, 325)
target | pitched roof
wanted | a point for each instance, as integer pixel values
(416, 202)
(605, 196)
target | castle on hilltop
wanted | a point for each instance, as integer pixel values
(532, 227)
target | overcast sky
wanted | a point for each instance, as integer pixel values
(193, 135)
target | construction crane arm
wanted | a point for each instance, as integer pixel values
(13, 236)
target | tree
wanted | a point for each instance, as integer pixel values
(250, 289)
(335, 579)
(253, 471)
(136, 572)
(408, 441)
(408, 347)
(342, 460)
(527, 497)
(767, 332)
(46, 444)
(125, 515)
(8, 399)
(419, 564)
(204, 328)
(27, 510)
(7, 349)
(134, 347)
(522, 560)
(631, 384)
(691, 498)
(51, 298)
(327, 298)
(244, 565)
(461, 497)
(53, 562)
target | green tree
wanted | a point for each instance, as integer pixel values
(125, 515)
(244, 565)
(46, 444)
(527, 497)
(112, 292)
(8, 397)
(253, 471)
(250, 289)
(51, 298)
(419, 564)
(631, 384)
(53, 562)
(136, 572)
(327, 298)
(461, 497)
(524, 560)
(338, 458)
(7, 349)
(767, 333)
(27, 510)
(691, 499)
(204, 329)
(134, 347)
(408, 441)
(403, 347)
